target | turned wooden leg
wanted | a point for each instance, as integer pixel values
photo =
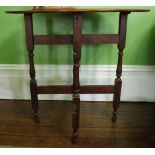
(77, 39)
(118, 85)
(121, 46)
(33, 88)
(30, 47)
(116, 98)
(75, 117)
(34, 99)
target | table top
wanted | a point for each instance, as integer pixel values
(75, 10)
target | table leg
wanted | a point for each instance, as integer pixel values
(30, 48)
(77, 39)
(121, 46)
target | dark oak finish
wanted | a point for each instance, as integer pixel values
(68, 89)
(55, 89)
(68, 39)
(77, 10)
(121, 45)
(76, 39)
(30, 48)
(100, 39)
(77, 42)
(94, 89)
(54, 39)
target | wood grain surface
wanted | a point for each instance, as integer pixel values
(135, 126)
(76, 10)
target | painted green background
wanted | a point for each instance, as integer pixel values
(140, 46)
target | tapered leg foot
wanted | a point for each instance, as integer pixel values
(75, 138)
(116, 98)
(114, 117)
(75, 117)
(36, 118)
(34, 100)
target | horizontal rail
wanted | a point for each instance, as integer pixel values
(100, 39)
(68, 39)
(55, 89)
(68, 89)
(54, 39)
(97, 89)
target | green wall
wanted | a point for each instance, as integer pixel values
(140, 46)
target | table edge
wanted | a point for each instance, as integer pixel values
(76, 11)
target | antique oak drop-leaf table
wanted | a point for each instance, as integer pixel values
(76, 39)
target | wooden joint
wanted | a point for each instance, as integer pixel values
(31, 54)
(33, 81)
(76, 95)
(77, 15)
(75, 134)
(119, 75)
(75, 55)
(77, 91)
(120, 53)
(75, 43)
(121, 47)
(76, 65)
(119, 70)
(115, 112)
(36, 114)
(118, 79)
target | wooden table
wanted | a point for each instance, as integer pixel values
(77, 39)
